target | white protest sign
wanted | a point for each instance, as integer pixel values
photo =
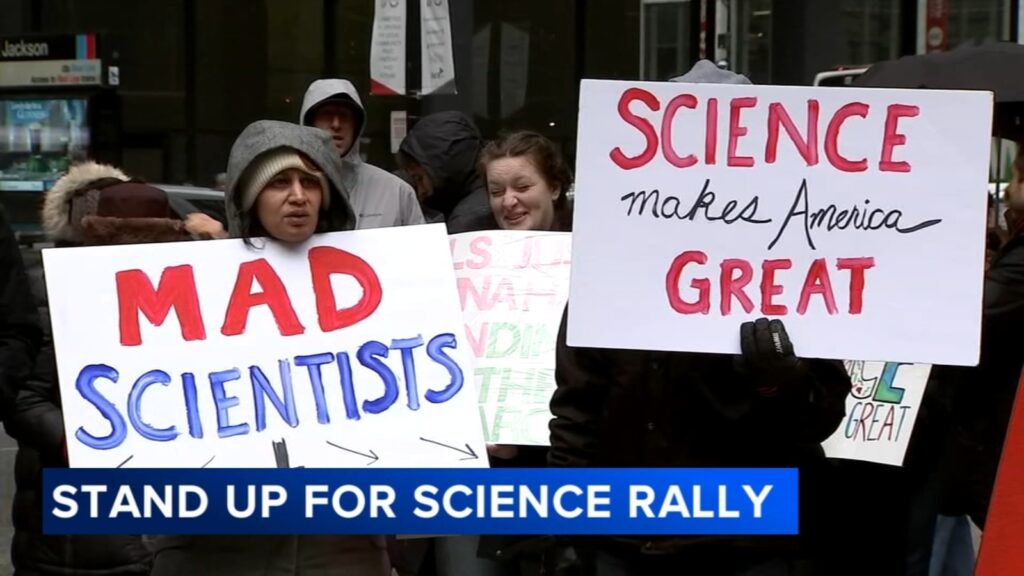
(851, 214)
(880, 412)
(436, 60)
(387, 48)
(345, 351)
(513, 286)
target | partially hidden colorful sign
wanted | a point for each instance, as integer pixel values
(513, 286)
(880, 412)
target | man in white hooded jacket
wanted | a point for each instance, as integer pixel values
(379, 198)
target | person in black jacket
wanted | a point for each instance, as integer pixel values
(982, 396)
(639, 409)
(645, 409)
(20, 331)
(440, 155)
(93, 205)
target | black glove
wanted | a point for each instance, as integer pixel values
(768, 358)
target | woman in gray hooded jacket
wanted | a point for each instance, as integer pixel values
(284, 183)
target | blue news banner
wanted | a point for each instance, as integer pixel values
(524, 501)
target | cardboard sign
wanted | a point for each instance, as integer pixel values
(880, 412)
(836, 210)
(345, 351)
(513, 287)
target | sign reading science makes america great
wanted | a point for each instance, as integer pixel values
(856, 216)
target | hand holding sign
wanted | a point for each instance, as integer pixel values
(768, 356)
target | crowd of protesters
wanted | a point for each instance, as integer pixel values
(612, 408)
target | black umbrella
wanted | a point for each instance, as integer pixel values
(992, 67)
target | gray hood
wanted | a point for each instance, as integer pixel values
(266, 135)
(706, 72)
(329, 89)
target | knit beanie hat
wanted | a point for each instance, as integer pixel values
(271, 163)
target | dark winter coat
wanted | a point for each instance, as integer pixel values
(20, 332)
(982, 396)
(625, 408)
(448, 146)
(39, 429)
(36, 421)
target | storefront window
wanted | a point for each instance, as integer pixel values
(973, 22)
(523, 63)
(753, 49)
(872, 29)
(666, 41)
(769, 43)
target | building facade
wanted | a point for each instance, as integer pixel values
(192, 73)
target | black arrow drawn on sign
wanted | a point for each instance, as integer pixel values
(280, 453)
(372, 455)
(471, 455)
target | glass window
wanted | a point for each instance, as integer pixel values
(848, 33)
(666, 39)
(872, 30)
(294, 52)
(973, 22)
(753, 50)
(39, 138)
(523, 67)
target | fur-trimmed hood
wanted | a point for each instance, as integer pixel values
(110, 231)
(99, 205)
(56, 216)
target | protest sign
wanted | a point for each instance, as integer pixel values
(836, 210)
(880, 412)
(513, 286)
(345, 351)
